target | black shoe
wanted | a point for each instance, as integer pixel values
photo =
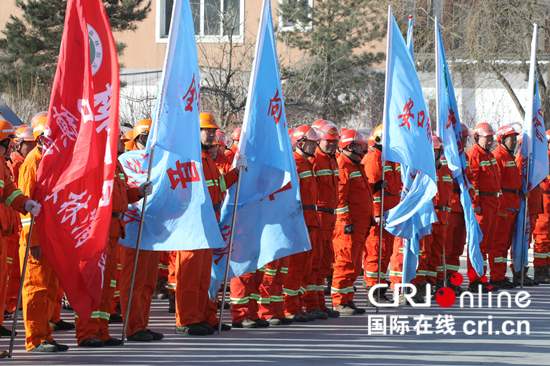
(44, 347)
(191, 329)
(113, 342)
(60, 347)
(3, 354)
(351, 304)
(54, 327)
(93, 342)
(208, 328)
(9, 316)
(225, 305)
(225, 327)
(298, 317)
(141, 336)
(331, 313)
(319, 314)
(275, 321)
(245, 323)
(5, 332)
(156, 336)
(115, 318)
(261, 323)
(345, 310)
(63, 325)
(286, 321)
(484, 287)
(503, 284)
(310, 317)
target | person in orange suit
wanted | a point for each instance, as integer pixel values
(235, 136)
(56, 322)
(392, 196)
(221, 161)
(146, 274)
(40, 283)
(195, 312)
(354, 218)
(511, 183)
(299, 267)
(541, 234)
(96, 332)
(486, 182)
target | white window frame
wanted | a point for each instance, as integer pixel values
(199, 38)
(295, 27)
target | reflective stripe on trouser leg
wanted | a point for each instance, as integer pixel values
(324, 235)
(435, 261)
(456, 236)
(421, 271)
(487, 223)
(370, 259)
(501, 243)
(298, 270)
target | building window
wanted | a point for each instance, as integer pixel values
(212, 18)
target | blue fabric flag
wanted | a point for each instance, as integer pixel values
(450, 131)
(534, 152)
(179, 214)
(269, 220)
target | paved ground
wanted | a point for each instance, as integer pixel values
(343, 341)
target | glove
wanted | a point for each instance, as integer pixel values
(378, 185)
(348, 229)
(241, 162)
(33, 207)
(146, 188)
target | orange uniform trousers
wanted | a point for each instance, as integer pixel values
(116, 297)
(456, 239)
(396, 263)
(39, 299)
(370, 256)
(487, 222)
(299, 269)
(14, 272)
(98, 325)
(498, 256)
(314, 297)
(56, 316)
(245, 295)
(348, 251)
(3, 272)
(144, 286)
(193, 272)
(423, 259)
(172, 271)
(541, 251)
(435, 253)
(271, 289)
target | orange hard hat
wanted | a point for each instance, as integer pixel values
(548, 135)
(221, 137)
(236, 135)
(350, 137)
(143, 127)
(302, 133)
(128, 141)
(6, 130)
(465, 130)
(329, 132)
(506, 131)
(39, 116)
(437, 142)
(39, 127)
(208, 121)
(377, 135)
(483, 129)
(24, 133)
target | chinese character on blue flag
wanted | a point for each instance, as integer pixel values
(269, 221)
(534, 152)
(179, 214)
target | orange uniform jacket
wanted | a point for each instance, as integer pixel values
(326, 170)
(230, 153)
(545, 185)
(12, 197)
(485, 176)
(223, 163)
(535, 195)
(308, 189)
(456, 206)
(510, 179)
(16, 160)
(443, 198)
(392, 174)
(123, 195)
(216, 182)
(354, 193)
(27, 182)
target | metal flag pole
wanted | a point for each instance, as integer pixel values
(230, 248)
(524, 226)
(381, 225)
(137, 245)
(21, 287)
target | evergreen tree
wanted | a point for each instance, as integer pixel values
(31, 47)
(335, 35)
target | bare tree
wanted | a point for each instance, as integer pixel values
(26, 97)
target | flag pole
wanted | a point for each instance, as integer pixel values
(21, 287)
(230, 248)
(524, 225)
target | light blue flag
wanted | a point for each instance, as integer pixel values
(179, 214)
(269, 221)
(534, 152)
(450, 131)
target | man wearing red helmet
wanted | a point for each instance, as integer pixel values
(486, 182)
(300, 264)
(511, 184)
(541, 250)
(353, 221)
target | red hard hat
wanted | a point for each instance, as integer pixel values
(437, 142)
(236, 135)
(483, 129)
(221, 137)
(290, 131)
(304, 132)
(350, 137)
(465, 130)
(318, 123)
(506, 131)
(328, 131)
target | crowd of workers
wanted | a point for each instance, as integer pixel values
(340, 174)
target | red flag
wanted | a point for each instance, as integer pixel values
(76, 174)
